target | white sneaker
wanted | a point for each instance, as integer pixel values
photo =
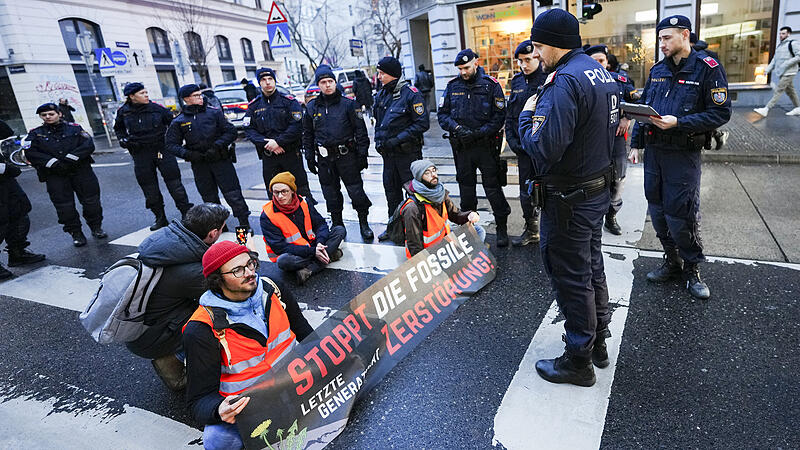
(763, 111)
(794, 112)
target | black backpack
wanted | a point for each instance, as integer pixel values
(396, 229)
(791, 51)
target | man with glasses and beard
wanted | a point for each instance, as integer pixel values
(238, 315)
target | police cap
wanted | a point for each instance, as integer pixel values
(390, 66)
(187, 90)
(676, 21)
(323, 71)
(600, 48)
(465, 56)
(265, 72)
(526, 47)
(47, 107)
(132, 88)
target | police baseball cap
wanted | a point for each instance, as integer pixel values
(600, 48)
(265, 72)
(676, 21)
(187, 90)
(46, 107)
(465, 56)
(526, 47)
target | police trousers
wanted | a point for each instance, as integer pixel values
(525, 166)
(469, 159)
(573, 260)
(14, 220)
(620, 161)
(346, 169)
(672, 189)
(81, 183)
(396, 173)
(212, 177)
(291, 263)
(145, 165)
(289, 161)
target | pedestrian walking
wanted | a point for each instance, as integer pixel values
(66, 110)
(783, 67)
(424, 82)
(363, 90)
(249, 90)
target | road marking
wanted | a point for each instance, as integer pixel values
(101, 165)
(64, 287)
(725, 259)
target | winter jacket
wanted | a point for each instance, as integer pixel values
(141, 127)
(783, 63)
(415, 222)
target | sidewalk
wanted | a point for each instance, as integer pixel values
(755, 139)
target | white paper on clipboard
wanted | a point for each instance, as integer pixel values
(639, 112)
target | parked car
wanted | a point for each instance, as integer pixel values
(234, 100)
(345, 78)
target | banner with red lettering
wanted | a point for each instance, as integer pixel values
(304, 401)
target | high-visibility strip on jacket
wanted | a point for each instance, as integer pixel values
(436, 227)
(243, 359)
(290, 231)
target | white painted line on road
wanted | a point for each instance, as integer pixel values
(749, 262)
(101, 165)
(64, 287)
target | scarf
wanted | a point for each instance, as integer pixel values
(290, 207)
(249, 312)
(434, 195)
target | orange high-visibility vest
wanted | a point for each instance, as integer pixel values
(288, 228)
(436, 227)
(243, 359)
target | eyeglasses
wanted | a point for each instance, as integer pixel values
(282, 192)
(196, 95)
(431, 171)
(238, 272)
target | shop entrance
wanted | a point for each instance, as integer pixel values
(421, 50)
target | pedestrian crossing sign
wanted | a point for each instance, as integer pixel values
(104, 60)
(279, 36)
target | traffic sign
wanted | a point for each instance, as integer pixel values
(356, 47)
(119, 58)
(104, 59)
(276, 15)
(279, 36)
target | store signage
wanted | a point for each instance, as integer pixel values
(16, 69)
(511, 12)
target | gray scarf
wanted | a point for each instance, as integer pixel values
(435, 195)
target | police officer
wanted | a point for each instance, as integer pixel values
(690, 93)
(473, 110)
(273, 123)
(401, 117)
(140, 126)
(14, 209)
(620, 157)
(523, 86)
(336, 143)
(568, 131)
(201, 135)
(61, 152)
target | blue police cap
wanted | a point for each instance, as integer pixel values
(465, 56)
(132, 88)
(676, 21)
(265, 72)
(600, 48)
(187, 90)
(526, 47)
(46, 107)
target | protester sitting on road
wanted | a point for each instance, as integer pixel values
(425, 225)
(296, 235)
(235, 306)
(179, 249)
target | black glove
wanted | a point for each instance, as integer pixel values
(193, 156)
(312, 166)
(363, 161)
(123, 142)
(11, 170)
(212, 155)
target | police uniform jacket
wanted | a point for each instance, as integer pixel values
(522, 88)
(695, 91)
(333, 120)
(142, 127)
(401, 116)
(59, 149)
(478, 104)
(202, 128)
(277, 117)
(570, 133)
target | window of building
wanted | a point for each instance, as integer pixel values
(267, 51)
(223, 48)
(71, 28)
(258, 4)
(247, 50)
(195, 46)
(740, 32)
(168, 82)
(228, 74)
(159, 44)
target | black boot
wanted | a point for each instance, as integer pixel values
(366, 231)
(336, 219)
(670, 269)
(384, 236)
(530, 235)
(78, 239)
(600, 350)
(5, 274)
(611, 224)
(98, 233)
(172, 372)
(20, 257)
(567, 368)
(694, 284)
(502, 231)
(161, 219)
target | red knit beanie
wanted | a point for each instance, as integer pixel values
(220, 253)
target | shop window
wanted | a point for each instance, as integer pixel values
(493, 32)
(159, 44)
(223, 49)
(739, 32)
(247, 50)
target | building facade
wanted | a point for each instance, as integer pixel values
(165, 43)
(742, 32)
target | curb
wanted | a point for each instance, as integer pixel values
(762, 158)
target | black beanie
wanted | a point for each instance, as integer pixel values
(46, 107)
(390, 66)
(265, 72)
(557, 28)
(323, 71)
(187, 90)
(132, 88)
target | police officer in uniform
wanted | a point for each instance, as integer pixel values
(568, 131)
(620, 157)
(473, 110)
(61, 152)
(336, 143)
(273, 123)
(690, 93)
(523, 86)
(140, 126)
(201, 135)
(401, 118)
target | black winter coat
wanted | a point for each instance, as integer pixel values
(142, 127)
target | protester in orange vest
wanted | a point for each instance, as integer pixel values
(242, 328)
(296, 235)
(428, 208)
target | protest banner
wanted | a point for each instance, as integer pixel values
(304, 401)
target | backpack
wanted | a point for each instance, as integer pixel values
(396, 229)
(791, 51)
(116, 311)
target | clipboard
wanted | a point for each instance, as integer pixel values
(639, 112)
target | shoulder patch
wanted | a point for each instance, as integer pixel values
(297, 115)
(360, 114)
(550, 78)
(413, 89)
(419, 109)
(289, 96)
(253, 100)
(536, 123)
(500, 102)
(710, 61)
(492, 78)
(622, 78)
(719, 95)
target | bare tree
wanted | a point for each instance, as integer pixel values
(294, 17)
(189, 22)
(385, 17)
